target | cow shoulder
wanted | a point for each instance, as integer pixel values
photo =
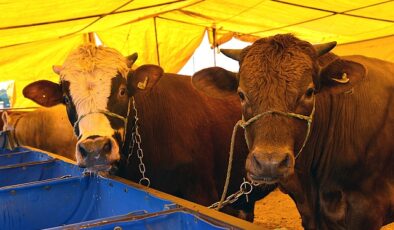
(215, 81)
(43, 92)
(341, 75)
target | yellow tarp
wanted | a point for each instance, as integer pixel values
(34, 35)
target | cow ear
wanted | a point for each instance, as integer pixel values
(215, 82)
(43, 92)
(144, 77)
(341, 76)
(131, 59)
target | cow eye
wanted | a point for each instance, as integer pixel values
(122, 91)
(66, 100)
(309, 92)
(241, 95)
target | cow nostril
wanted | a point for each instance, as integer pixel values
(256, 161)
(107, 146)
(82, 151)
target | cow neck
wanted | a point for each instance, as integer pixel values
(329, 138)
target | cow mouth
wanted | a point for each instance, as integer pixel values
(102, 168)
(258, 180)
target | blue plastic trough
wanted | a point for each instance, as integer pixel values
(72, 200)
(174, 220)
(22, 157)
(17, 149)
(38, 191)
(37, 171)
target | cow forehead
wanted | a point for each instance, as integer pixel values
(88, 60)
(266, 62)
(274, 73)
(89, 71)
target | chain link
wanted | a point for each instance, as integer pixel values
(136, 139)
(244, 189)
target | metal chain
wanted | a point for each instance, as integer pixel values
(244, 189)
(136, 139)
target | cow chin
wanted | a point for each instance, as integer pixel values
(97, 154)
(267, 179)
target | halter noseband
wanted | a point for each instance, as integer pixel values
(108, 113)
(242, 123)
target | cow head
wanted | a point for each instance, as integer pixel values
(96, 84)
(278, 77)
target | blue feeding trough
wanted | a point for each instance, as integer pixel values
(170, 220)
(22, 157)
(17, 149)
(38, 191)
(72, 200)
(37, 171)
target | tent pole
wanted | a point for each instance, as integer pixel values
(157, 42)
(91, 38)
(214, 45)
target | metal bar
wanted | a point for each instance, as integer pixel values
(157, 42)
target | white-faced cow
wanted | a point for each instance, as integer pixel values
(320, 125)
(44, 128)
(185, 134)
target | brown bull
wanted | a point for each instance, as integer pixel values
(185, 135)
(320, 125)
(45, 128)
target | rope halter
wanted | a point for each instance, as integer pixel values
(244, 124)
(108, 113)
(309, 119)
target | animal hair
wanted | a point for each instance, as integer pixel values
(282, 60)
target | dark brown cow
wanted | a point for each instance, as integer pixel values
(185, 134)
(340, 172)
(44, 128)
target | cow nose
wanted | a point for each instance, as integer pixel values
(96, 146)
(273, 165)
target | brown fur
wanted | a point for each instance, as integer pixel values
(349, 142)
(45, 128)
(186, 139)
(344, 177)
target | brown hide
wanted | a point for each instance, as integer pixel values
(45, 128)
(344, 175)
(186, 139)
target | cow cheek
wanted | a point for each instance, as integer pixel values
(80, 161)
(114, 156)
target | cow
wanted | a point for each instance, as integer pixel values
(318, 124)
(44, 128)
(182, 139)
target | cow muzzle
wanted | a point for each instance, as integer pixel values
(269, 167)
(97, 153)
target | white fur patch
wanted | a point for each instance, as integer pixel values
(90, 70)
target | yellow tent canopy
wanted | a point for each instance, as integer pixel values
(34, 35)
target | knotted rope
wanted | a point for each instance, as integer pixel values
(245, 124)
